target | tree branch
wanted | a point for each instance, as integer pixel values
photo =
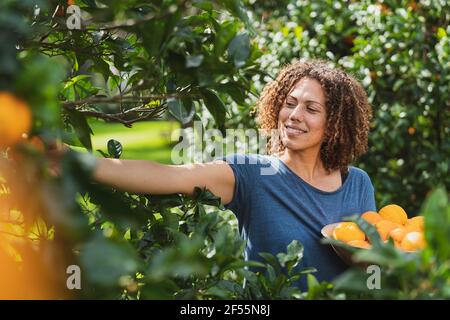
(119, 99)
(119, 117)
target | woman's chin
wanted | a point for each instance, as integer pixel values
(293, 145)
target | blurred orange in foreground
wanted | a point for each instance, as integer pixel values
(32, 264)
(15, 119)
(23, 280)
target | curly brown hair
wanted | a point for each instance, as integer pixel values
(348, 111)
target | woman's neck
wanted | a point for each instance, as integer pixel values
(307, 165)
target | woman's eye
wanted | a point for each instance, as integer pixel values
(311, 110)
(290, 105)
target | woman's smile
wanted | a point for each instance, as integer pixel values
(293, 131)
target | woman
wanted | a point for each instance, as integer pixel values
(322, 118)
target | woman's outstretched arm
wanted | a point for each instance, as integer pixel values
(148, 177)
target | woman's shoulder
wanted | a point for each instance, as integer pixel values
(360, 174)
(248, 158)
(253, 164)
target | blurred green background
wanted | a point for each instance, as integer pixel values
(145, 141)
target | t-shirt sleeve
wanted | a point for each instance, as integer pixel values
(368, 200)
(244, 177)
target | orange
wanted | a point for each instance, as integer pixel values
(384, 227)
(398, 234)
(15, 119)
(413, 241)
(394, 213)
(416, 223)
(371, 217)
(360, 244)
(348, 231)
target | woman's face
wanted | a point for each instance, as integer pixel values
(302, 118)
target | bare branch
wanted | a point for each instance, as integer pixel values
(119, 99)
(153, 113)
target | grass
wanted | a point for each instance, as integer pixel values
(149, 140)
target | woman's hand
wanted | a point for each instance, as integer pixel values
(55, 152)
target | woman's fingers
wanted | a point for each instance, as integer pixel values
(55, 153)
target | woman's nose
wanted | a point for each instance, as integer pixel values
(297, 113)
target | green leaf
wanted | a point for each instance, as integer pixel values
(235, 90)
(436, 211)
(171, 220)
(90, 3)
(225, 34)
(293, 256)
(271, 275)
(81, 126)
(270, 258)
(355, 281)
(242, 264)
(339, 244)
(203, 4)
(204, 196)
(239, 50)
(182, 260)
(215, 106)
(71, 82)
(105, 261)
(178, 109)
(311, 281)
(225, 289)
(114, 148)
(235, 7)
(307, 270)
(440, 33)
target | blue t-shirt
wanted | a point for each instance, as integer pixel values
(274, 206)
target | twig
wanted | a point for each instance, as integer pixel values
(118, 99)
(118, 117)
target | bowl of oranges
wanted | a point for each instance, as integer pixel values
(391, 222)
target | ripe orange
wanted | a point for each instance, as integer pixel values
(394, 213)
(360, 244)
(413, 241)
(15, 119)
(416, 223)
(398, 234)
(348, 231)
(371, 217)
(384, 227)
